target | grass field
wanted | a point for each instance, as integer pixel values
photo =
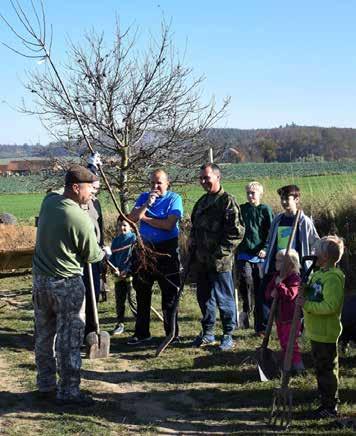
(24, 206)
(317, 192)
(185, 391)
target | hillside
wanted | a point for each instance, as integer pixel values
(283, 144)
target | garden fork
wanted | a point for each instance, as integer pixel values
(281, 413)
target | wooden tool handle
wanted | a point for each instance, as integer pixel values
(93, 299)
(275, 299)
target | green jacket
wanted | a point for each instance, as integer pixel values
(65, 238)
(217, 229)
(324, 297)
(257, 221)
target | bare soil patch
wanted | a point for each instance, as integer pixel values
(16, 237)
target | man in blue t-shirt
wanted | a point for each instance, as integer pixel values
(158, 212)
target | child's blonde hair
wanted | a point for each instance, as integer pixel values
(332, 247)
(254, 185)
(293, 256)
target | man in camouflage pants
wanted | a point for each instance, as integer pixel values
(65, 241)
(217, 229)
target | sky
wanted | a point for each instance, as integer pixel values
(279, 61)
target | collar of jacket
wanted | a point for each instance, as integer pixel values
(217, 194)
(208, 200)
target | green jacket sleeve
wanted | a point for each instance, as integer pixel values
(86, 241)
(233, 231)
(268, 218)
(332, 298)
(192, 232)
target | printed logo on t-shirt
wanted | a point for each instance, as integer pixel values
(315, 292)
(283, 236)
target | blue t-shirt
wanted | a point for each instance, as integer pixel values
(169, 204)
(122, 258)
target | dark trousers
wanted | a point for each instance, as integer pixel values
(326, 363)
(124, 290)
(216, 290)
(249, 281)
(263, 306)
(89, 315)
(167, 275)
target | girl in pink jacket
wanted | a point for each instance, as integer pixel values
(285, 284)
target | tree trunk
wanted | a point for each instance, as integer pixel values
(123, 194)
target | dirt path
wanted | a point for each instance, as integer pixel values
(15, 404)
(136, 406)
(134, 393)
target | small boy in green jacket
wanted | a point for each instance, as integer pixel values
(322, 304)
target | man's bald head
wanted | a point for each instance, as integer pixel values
(159, 182)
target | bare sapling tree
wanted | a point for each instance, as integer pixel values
(139, 109)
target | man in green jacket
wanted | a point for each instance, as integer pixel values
(217, 230)
(65, 242)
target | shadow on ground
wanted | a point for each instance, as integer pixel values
(191, 410)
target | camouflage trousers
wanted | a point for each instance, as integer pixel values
(326, 363)
(59, 306)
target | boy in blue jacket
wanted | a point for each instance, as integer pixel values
(121, 248)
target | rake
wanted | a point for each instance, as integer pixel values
(281, 413)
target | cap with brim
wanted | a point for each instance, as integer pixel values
(79, 174)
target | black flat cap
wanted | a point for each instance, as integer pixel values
(79, 174)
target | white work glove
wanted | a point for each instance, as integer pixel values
(107, 251)
(95, 160)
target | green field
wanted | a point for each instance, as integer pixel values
(24, 206)
(245, 171)
(317, 192)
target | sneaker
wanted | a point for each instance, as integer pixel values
(325, 413)
(45, 395)
(119, 329)
(137, 341)
(244, 322)
(226, 343)
(203, 340)
(176, 340)
(82, 400)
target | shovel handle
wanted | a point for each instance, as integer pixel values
(93, 299)
(296, 316)
(275, 299)
(270, 323)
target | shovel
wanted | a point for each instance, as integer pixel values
(281, 413)
(99, 341)
(267, 361)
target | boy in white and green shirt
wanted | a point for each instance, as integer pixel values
(322, 305)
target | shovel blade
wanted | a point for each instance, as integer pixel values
(267, 364)
(98, 345)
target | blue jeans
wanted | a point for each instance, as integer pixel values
(216, 289)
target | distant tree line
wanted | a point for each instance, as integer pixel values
(284, 144)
